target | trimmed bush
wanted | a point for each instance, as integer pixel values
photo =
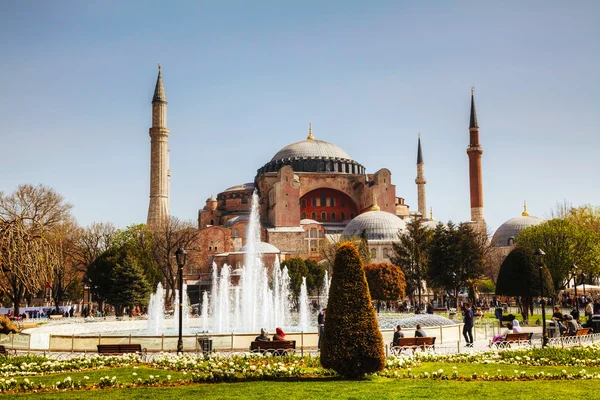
(7, 326)
(352, 344)
(386, 281)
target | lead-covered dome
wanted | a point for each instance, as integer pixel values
(261, 248)
(378, 225)
(508, 231)
(311, 148)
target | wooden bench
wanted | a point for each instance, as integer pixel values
(414, 343)
(277, 347)
(4, 352)
(582, 332)
(118, 349)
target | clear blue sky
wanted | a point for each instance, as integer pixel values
(244, 79)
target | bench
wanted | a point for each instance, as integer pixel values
(582, 332)
(277, 347)
(413, 343)
(515, 338)
(119, 349)
(4, 352)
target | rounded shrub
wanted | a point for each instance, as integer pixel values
(352, 343)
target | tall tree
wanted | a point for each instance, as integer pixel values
(129, 286)
(565, 244)
(363, 248)
(386, 281)
(66, 277)
(456, 257)
(93, 241)
(296, 270)
(411, 253)
(139, 241)
(27, 218)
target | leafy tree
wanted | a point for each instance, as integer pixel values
(100, 274)
(519, 276)
(410, 254)
(316, 275)
(386, 281)
(139, 241)
(363, 248)
(129, 286)
(352, 342)
(456, 257)
(27, 258)
(486, 286)
(565, 243)
(296, 270)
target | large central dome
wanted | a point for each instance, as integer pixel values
(311, 148)
(312, 155)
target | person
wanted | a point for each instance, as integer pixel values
(572, 326)
(597, 306)
(516, 327)
(589, 311)
(263, 337)
(468, 325)
(397, 335)
(557, 317)
(429, 308)
(501, 336)
(279, 334)
(420, 332)
(321, 323)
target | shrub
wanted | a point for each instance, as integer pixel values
(352, 343)
(386, 281)
(7, 326)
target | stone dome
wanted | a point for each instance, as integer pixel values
(261, 248)
(511, 228)
(243, 186)
(379, 225)
(311, 148)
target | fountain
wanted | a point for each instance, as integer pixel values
(156, 311)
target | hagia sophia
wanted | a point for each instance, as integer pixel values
(310, 191)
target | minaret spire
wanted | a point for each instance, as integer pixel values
(525, 213)
(474, 151)
(160, 175)
(310, 135)
(421, 181)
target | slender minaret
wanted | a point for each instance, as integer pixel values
(421, 181)
(474, 151)
(158, 211)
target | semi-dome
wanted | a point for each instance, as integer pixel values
(243, 186)
(508, 231)
(378, 225)
(311, 148)
(261, 248)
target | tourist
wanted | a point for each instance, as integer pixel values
(429, 308)
(420, 332)
(397, 335)
(516, 327)
(321, 324)
(468, 325)
(279, 334)
(263, 337)
(572, 326)
(502, 336)
(589, 310)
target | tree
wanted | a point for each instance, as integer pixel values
(363, 248)
(456, 257)
(410, 254)
(352, 343)
(386, 281)
(66, 277)
(93, 241)
(129, 286)
(315, 277)
(166, 239)
(27, 218)
(296, 270)
(565, 243)
(519, 276)
(138, 240)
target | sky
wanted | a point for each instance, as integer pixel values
(244, 79)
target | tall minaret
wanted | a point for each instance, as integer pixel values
(158, 211)
(474, 151)
(421, 181)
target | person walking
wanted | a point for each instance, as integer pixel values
(321, 323)
(468, 325)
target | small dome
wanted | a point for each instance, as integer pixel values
(309, 221)
(379, 225)
(211, 199)
(261, 248)
(243, 186)
(512, 228)
(311, 149)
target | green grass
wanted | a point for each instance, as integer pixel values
(378, 388)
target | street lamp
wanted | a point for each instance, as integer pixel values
(181, 256)
(574, 269)
(583, 276)
(539, 256)
(455, 290)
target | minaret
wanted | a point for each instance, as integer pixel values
(158, 211)
(474, 151)
(421, 181)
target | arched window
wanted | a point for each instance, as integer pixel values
(216, 248)
(303, 215)
(343, 216)
(212, 221)
(333, 216)
(314, 201)
(303, 203)
(351, 215)
(324, 216)
(235, 232)
(313, 215)
(373, 252)
(209, 248)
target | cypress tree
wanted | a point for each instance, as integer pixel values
(352, 343)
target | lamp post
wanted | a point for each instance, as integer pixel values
(181, 256)
(574, 269)
(583, 276)
(455, 290)
(539, 255)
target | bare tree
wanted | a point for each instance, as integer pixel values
(167, 238)
(561, 210)
(93, 241)
(27, 219)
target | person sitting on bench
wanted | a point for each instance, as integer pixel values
(500, 337)
(264, 336)
(279, 334)
(420, 332)
(572, 326)
(397, 335)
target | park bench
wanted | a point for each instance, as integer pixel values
(119, 349)
(582, 332)
(521, 338)
(4, 352)
(277, 347)
(413, 343)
